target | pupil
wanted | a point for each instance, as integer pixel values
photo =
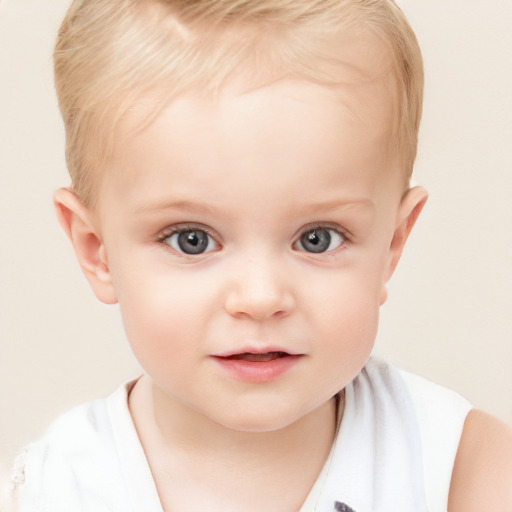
(193, 242)
(313, 238)
(317, 240)
(193, 239)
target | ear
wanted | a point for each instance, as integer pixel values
(77, 222)
(408, 212)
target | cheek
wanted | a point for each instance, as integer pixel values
(163, 311)
(347, 314)
(352, 319)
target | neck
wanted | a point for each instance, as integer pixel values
(176, 425)
(174, 436)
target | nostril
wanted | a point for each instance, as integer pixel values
(259, 312)
(259, 296)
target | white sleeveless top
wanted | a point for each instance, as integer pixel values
(394, 452)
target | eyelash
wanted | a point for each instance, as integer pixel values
(342, 233)
(333, 227)
(182, 228)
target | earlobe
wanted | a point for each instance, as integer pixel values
(76, 221)
(409, 210)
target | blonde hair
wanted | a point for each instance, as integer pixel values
(110, 52)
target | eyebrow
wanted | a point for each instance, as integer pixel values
(340, 203)
(184, 205)
(194, 206)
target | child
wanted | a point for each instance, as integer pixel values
(240, 177)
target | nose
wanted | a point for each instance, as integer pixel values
(260, 289)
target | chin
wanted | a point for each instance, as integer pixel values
(258, 426)
(260, 421)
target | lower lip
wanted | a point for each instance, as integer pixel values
(257, 371)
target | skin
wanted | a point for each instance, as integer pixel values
(482, 474)
(256, 169)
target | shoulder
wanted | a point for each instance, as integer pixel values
(69, 436)
(482, 473)
(76, 429)
(84, 426)
(440, 416)
(44, 472)
(77, 451)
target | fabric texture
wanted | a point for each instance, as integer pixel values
(394, 451)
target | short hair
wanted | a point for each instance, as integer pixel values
(110, 52)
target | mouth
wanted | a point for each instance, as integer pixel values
(257, 365)
(258, 357)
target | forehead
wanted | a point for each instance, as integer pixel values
(288, 140)
(253, 124)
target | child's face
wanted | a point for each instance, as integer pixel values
(262, 223)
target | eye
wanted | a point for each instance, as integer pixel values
(190, 241)
(320, 240)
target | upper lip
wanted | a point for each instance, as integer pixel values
(255, 350)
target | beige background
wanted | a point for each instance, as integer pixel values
(449, 316)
